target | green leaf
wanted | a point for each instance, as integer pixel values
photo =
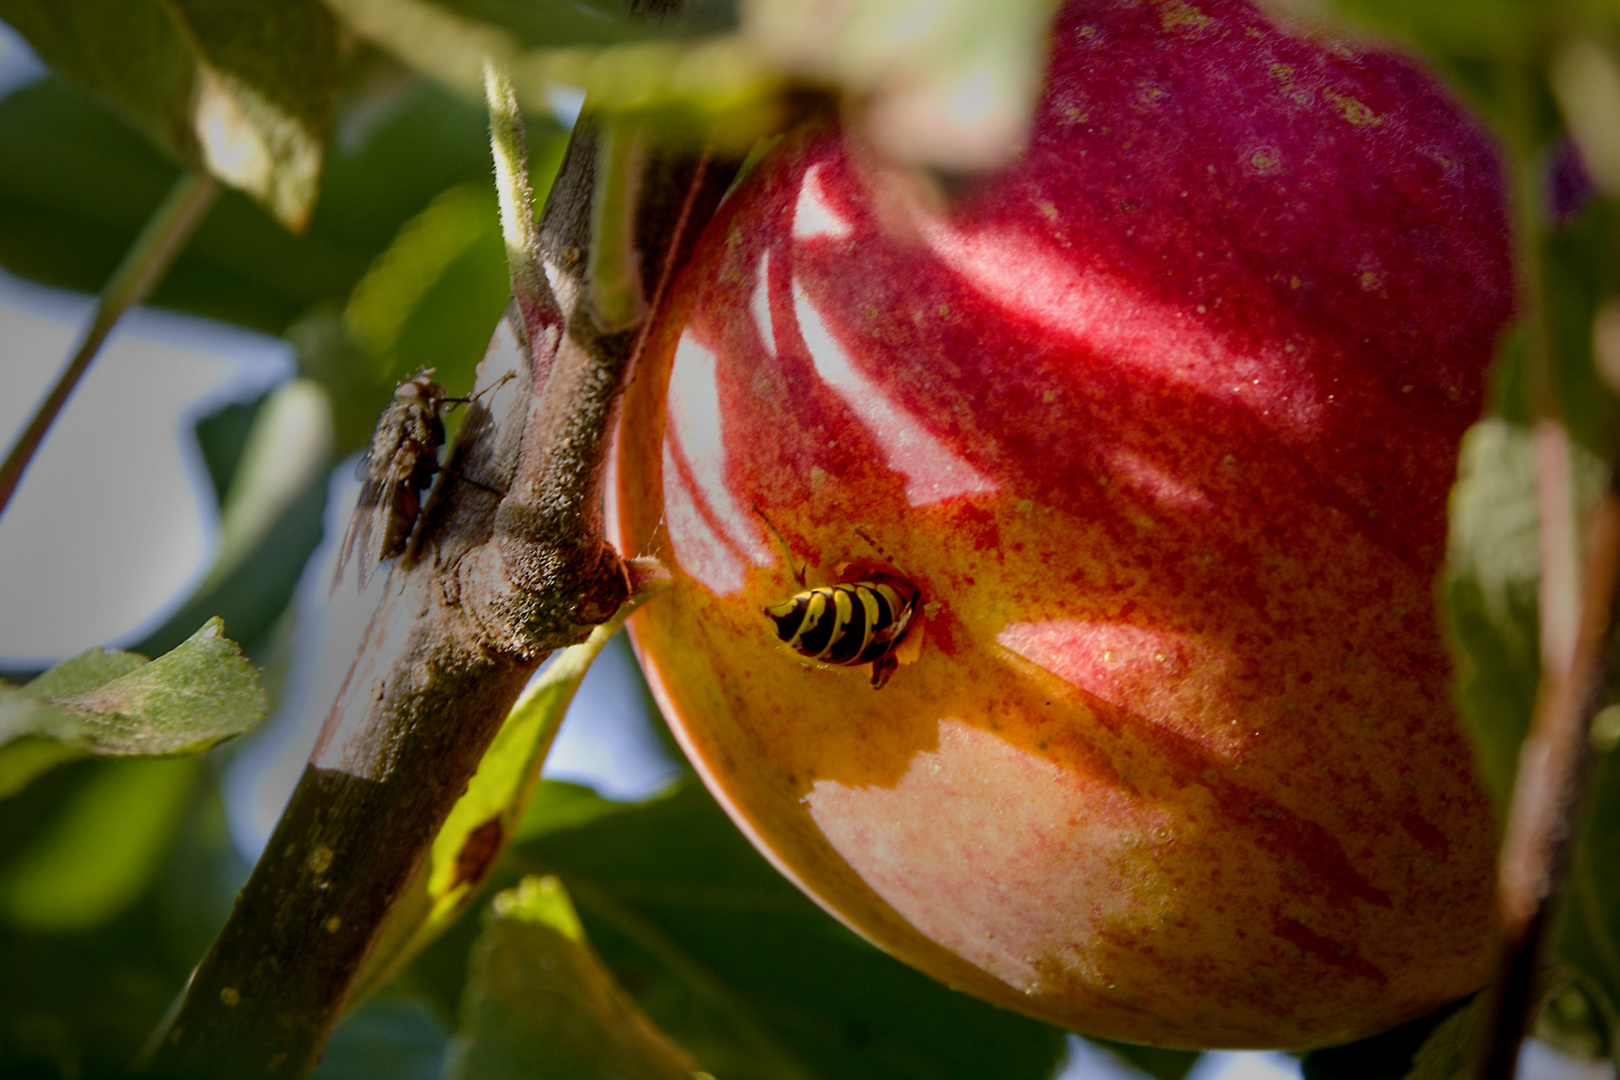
(677, 71)
(267, 82)
(748, 975)
(589, 22)
(1389, 1055)
(129, 54)
(76, 184)
(487, 815)
(541, 1005)
(394, 1037)
(558, 805)
(1505, 31)
(288, 448)
(1587, 937)
(26, 758)
(80, 1001)
(270, 519)
(429, 300)
(120, 704)
(244, 89)
(1576, 1021)
(913, 62)
(1451, 1049)
(1489, 588)
(98, 854)
(1155, 1061)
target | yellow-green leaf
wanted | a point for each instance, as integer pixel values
(540, 1005)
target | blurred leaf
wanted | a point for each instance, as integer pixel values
(537, 23)
(416, 261)
(674, 71)
(1489, 587)
(288, 448)
(1450, 1050)
(1389, 1055)
(1575, 1022)
(1580, 272)
(1587, 937)
(1155, 1061)
(947, 83)
(76, 184)
(245, 89)
(558, 805)
(1503, 31)
(396, 1038)
(222, 436)
(130, 54)
(118, 703)
(433, 297)
(270, 520)
(429, 300)
(540, 1004)
(26, 758)
(1586, 81)
(79, 1002)
(99, 853)
(485, 818)
(747, 974)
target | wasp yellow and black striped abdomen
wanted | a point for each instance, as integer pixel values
(849, 624)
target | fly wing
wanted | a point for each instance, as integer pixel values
(361, 524)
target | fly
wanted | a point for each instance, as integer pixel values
(394, 472)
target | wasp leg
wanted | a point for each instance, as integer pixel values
(882, 668)
(798, 571)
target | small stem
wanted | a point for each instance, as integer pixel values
(165, 234)
(536, 303)
(614, 277)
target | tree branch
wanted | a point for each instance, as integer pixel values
(488, 588)
(163, 237)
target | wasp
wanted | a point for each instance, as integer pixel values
(394, 472)
(863, 620)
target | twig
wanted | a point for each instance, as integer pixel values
(541, 316)
(1577, 608)
(1547, 796)
(165, 234)
(487, 590)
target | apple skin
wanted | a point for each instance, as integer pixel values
(1161, 418)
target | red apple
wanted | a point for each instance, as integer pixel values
(1160, 420)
